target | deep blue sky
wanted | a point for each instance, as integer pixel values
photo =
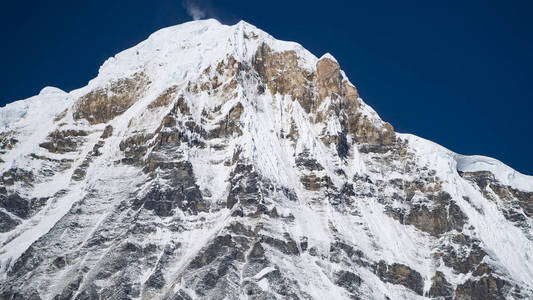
(459, 73)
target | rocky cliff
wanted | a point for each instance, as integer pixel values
(217, 162)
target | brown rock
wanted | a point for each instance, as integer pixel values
(440, 287)
(134, 147)
(281, 73)
(314, 183)
(230, 125)
(463, 261)
(349, 92)
(61, 115)
(62, 141)
(103, 104)
(443, 217)
(165, 98)
(182, 107)
(328, 78)
(364, 131)
(400, 274)
(108, 131)
(488, 287)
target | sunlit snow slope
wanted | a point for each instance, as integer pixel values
(216, 162)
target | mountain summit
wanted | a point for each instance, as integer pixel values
(216, 162)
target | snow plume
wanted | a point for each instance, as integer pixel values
(194, 10)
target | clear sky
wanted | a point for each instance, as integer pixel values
(459, 73)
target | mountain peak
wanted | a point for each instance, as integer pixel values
(200, 43)
(213, 161)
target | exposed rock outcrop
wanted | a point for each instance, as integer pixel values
(103, 104)
(400, 274)
(62, 141)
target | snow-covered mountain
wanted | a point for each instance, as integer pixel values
(216, 162)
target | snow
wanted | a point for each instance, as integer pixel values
(502, 172)
(49, 90)
(179, 54)
(263, 284)
(328, 56)
(33, 229)
(264, 272)
(452, 162)
(13, 112)
(32, 119)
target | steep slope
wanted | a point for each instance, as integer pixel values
(214, 161)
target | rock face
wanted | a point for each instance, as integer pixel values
(216, 162)
(103, 104)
